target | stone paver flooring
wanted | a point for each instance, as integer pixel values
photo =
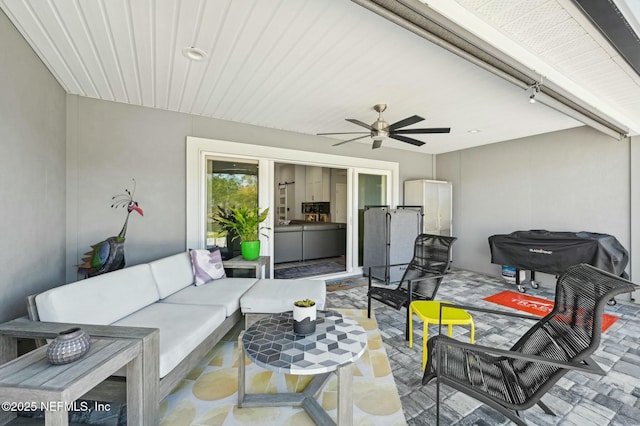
(577, 399)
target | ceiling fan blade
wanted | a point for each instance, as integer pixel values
(359, 123)
(417, 131)
(406, 122)
(343, 133)
(407, 140)
(350, 140)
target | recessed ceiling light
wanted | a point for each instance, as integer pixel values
(473, 131)
(194, 54)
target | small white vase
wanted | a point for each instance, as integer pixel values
(304, 319)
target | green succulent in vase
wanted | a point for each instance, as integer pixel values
(304, 303)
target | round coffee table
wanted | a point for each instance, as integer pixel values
(271, 344)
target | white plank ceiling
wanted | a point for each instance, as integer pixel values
(568, 49)
(306, 65)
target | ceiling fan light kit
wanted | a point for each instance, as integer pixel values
(380, 130)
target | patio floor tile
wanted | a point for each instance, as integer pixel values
(577, 399)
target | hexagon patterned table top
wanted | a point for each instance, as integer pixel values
(272, 344)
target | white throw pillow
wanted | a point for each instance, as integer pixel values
(207, 266)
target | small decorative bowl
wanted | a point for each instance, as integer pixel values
(68, 346)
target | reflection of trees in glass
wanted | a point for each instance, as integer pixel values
(228, 190)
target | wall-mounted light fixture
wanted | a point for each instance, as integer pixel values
(535, 88)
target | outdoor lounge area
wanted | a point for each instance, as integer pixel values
(395, 391)
(305, 139)
(578, 399)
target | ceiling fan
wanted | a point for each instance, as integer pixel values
(380, 129)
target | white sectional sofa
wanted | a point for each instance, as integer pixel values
(161, 294)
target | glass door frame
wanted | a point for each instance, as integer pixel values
(198, 149)
(227, 158)
(392, 197)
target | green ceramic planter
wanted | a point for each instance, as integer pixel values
(250, 250)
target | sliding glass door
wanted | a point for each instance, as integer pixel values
(229, 183)
(224, 173)
(371, 188)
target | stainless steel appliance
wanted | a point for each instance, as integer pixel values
(317, 211)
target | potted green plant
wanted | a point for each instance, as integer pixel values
(304, 316)
(245, 222)
(232, 248)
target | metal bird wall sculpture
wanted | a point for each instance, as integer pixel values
(108, 255)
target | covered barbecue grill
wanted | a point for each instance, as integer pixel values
(554, 252)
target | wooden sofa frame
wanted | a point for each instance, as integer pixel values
(155, 389)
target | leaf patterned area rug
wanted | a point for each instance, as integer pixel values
(209, 394)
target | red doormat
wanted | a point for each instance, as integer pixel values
(536, 305)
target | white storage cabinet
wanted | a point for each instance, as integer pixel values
(435, 197)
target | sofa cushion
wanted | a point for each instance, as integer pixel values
(225, 292)
(272, 295)
(207, 266)
(172, 273)
(182, 328)
(102, 299)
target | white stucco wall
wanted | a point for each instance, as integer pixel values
(32, 174)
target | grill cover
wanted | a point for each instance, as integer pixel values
(554, 252)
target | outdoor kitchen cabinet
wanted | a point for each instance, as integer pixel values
(317, 184)
(287, 243)
(306, 241)
(324, 240)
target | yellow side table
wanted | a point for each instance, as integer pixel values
(429, 312)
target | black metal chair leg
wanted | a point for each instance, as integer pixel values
(406, 325)
(408, 302)
(369, 296)
(546, 409)
(437, 401)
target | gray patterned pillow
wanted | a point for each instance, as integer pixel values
(207, 266)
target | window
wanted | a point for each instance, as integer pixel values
(229, 183)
